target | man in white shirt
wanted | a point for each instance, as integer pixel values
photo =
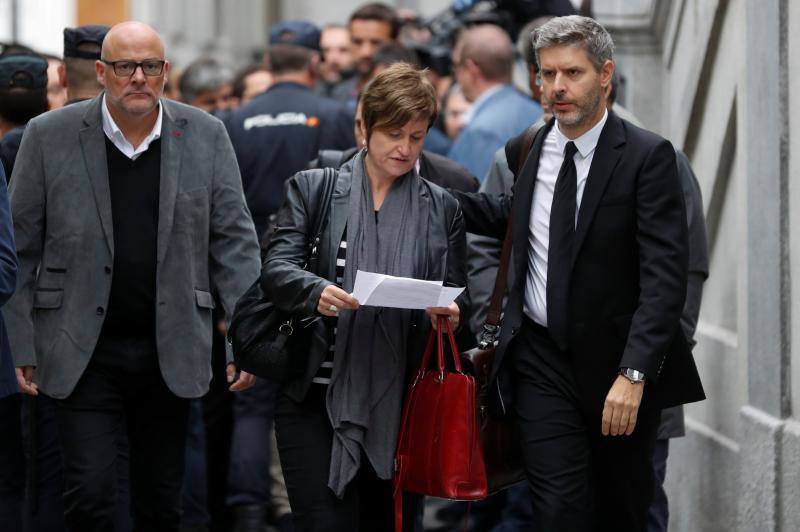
(128, 209)
(590, 348)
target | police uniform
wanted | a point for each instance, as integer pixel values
(277, 134)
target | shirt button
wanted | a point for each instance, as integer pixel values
(107, 269)
(100, 311)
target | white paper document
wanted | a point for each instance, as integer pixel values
(378, 290)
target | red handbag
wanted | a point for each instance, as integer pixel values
(439, 450)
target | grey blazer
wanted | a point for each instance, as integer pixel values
(62, 221)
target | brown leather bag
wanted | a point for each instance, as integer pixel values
(500, 437)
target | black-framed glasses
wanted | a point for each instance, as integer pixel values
(125, 68)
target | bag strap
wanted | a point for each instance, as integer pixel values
(329, 177)
(493, 316)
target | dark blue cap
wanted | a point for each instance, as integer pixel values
(297, 32)
(26, 71)
(82, 35)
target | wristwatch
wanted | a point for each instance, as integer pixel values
(633, 375)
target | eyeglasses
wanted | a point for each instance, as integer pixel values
(150, 67)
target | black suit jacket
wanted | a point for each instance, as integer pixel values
(446, 172)
(628, 277)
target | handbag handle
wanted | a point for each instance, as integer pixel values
(426, 357)
(443, 324)
(446, 325)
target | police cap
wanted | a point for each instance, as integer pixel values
(90, 34)
(297, 32)
(27, 71)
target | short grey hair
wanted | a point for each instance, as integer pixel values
(204, 74)
(575, 29)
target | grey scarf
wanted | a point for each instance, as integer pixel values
(365, 394)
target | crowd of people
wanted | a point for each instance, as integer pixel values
(145, 198)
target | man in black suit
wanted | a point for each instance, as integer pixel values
(590, 349)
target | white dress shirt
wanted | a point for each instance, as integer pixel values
(550, 161)
(115, 135)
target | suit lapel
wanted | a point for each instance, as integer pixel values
(606, 155)
(173, 142)
(93, 145)
(523, 200)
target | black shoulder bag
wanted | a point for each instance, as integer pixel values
(262, 337)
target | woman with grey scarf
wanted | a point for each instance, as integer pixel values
(337, 423)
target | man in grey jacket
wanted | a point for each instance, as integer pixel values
(128, 209)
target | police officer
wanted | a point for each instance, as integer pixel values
(81, 49)
(281, 130)
(23, 95)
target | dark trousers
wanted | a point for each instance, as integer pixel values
(44, 505)
(12, 464)
(506, 511)
(122, 385)
(305, 437)
(194, 498)
(658, 516)
(219, 425)
(579, 479)
(251, 444)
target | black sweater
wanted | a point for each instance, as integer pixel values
(134, 186)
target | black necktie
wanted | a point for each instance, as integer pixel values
(559, 251)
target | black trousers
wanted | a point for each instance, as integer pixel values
(579, 479)
(305, 438)
(658, 515)
(12, 464)
(251, 445)
(219, 426)
(122, 385)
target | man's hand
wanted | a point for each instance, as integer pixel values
(451, 311)
(333, 299)
(622, 407)
(25, 380)
(245, 380)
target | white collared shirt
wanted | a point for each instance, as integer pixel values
(114, 133)
(474, 106)
(550, 161)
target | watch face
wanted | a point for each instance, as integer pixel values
(633, 375)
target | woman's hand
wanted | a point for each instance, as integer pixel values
(334, 299)
(451, 311)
